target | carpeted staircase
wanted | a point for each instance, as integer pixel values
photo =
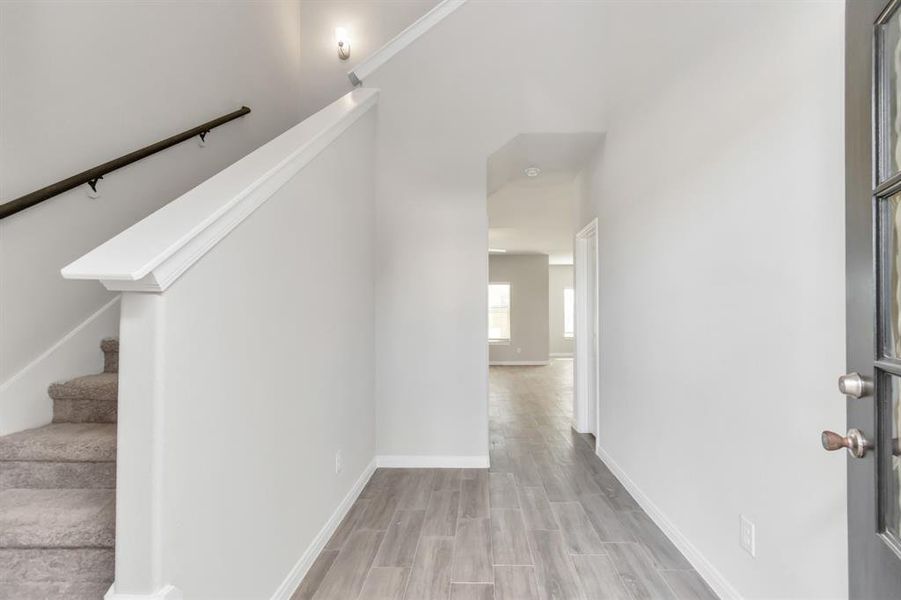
(57, 494)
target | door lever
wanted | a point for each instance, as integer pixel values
(855, 442)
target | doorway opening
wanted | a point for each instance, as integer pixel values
(535, 328)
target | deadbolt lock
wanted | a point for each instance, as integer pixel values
(855, 442)
(855, 385)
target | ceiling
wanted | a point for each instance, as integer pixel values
(534, 217)
(560, 156)
(537, 215)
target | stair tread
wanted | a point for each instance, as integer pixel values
(101, 386)
(57, 518)
(62, 442)
(48, 565)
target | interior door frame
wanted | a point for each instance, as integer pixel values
(584, 338)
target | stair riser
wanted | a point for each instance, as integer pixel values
(110, 347)
(37, 537)
(85, 411)
(53, 475)
(72, 391)
(75, 565)
(53, 591)
(111, 362)
(61, 442)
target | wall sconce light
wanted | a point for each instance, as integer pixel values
(343, 43)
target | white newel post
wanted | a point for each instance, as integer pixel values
(139, 487)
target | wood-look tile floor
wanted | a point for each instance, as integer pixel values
(547, 521)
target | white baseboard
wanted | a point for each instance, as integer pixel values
(167, 592)
(433, 462)
(297, 573)
(704, 567)
(24, 403)
(561, 355)
(518, 363)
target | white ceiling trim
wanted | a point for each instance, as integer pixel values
(406, 37)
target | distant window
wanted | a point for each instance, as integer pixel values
(569, 309)
(498, 313)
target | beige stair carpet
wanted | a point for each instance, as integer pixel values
(57, 493)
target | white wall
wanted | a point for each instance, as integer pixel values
(370, 24)
(722, 285)
(527, 275)
(84, 82)
(560, 277)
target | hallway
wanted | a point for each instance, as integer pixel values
(547, 521)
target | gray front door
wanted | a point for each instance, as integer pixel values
(873, 284)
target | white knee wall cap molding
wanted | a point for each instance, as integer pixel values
(150, 255)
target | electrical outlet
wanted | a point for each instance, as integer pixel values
(519, 350)
(339, 462)
(746, 535)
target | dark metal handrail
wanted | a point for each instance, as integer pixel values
(92, 176)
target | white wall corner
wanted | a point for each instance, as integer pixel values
(24, 403)
(716, 580)
(167, 592)
(477, 461)
(303, 564)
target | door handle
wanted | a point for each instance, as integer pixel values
(855, 442)
(855, 385)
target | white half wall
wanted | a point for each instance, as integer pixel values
(84, 82)
(722, 285)
(245, 378)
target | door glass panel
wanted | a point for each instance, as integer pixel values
(890, 467)
(891, 275)
(890, 98)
